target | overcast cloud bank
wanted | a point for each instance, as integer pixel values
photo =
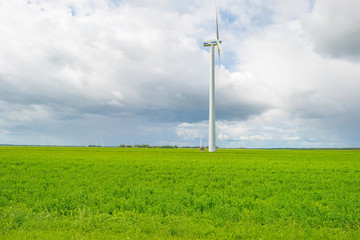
(81, 72)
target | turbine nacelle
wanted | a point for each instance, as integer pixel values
(211, 42)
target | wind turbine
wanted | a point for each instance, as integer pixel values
(212, 44)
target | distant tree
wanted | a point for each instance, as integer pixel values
(169, 146)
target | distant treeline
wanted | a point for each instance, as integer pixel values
(170, 146)
(146, 146)
(149, 146)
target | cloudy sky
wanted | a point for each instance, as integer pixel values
(80, 72)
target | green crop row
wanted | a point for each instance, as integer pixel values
(102, 193)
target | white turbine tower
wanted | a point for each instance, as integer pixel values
(212, 44)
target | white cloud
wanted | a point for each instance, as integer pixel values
(333, 26)
(191, 131)
(223, 137)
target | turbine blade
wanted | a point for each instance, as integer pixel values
(217, 23)
(219, 51)
(219, 47)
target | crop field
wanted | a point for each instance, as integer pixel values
(115, 193)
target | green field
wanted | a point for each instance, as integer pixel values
(113, 193)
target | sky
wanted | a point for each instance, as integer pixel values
(111, 72)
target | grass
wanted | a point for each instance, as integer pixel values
(113, 193)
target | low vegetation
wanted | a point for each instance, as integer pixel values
(121, 193)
